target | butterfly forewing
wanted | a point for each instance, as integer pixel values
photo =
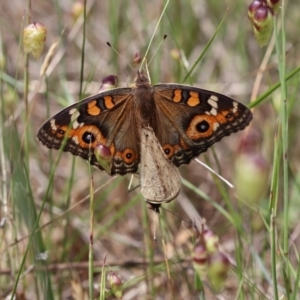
(199, 118)
(102, 119)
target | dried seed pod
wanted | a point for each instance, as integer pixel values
(34, 37)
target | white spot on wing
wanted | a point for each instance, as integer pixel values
(53, 125)
(235, 107)
(214, 98)
(75, 124)
(212, 103)
(216, 126)
(214, 112)
(73, 111)
(74, 115)
(75, 139)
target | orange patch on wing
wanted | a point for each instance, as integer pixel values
(194, 134)
(169, 148)
(128, 155)
(194, 99)
(61, 131)
(93, 109)
(177, 96)
(112, 149)
(108, 102)
(221, 117)
(98, 138)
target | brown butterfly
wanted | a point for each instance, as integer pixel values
(185, 120)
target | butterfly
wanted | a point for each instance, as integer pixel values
(186, 121)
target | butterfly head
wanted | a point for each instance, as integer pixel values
(141, 80)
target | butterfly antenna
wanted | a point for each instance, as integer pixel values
(156, 27)
(165, 36)
(115, 50)
(214, 172)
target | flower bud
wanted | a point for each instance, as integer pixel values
(104, 157)
(251, 169)
(253, 7)
(263, 25)
(77, 9)
(175, 54)
(274, 4)
(211, 240)
(276, 101)
(251, 177)
(261, 14)
(263, 18)
(115, 284)
(136, 59)
(200, 260)
(108, 83)
(217, 270)
(250, 142)
(34, 37)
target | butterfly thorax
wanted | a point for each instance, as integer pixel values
(144, 103)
